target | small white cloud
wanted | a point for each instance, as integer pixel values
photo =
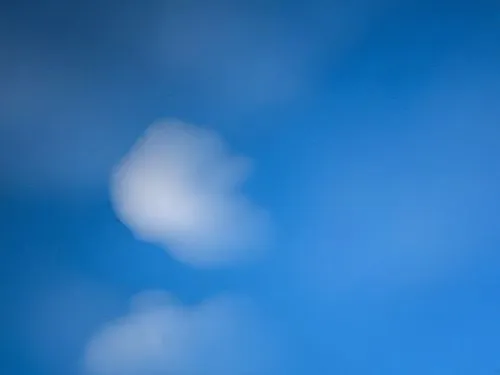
(158, 336)
(178, 187)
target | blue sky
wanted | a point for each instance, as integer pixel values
(317, 191)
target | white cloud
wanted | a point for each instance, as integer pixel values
(178, 187)
(158, 336)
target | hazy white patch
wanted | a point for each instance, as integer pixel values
(179, 187)
(221, 336)
(245, 58)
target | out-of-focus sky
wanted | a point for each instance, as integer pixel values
(249, 187)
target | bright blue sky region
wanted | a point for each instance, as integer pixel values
(373, 127)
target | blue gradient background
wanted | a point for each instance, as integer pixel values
(403, 89)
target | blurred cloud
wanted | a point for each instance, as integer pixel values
(65, 87)
(158, 336)
(243, 59)
(250, 55)
(179, 187)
